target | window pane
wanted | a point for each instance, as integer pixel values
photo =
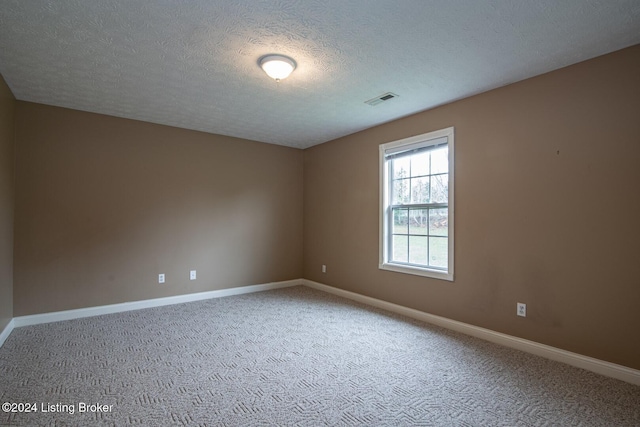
(400, 221)
(419, 221)
(440, 160)
(416, 206)
(399, 248)
(420, 164)
(400, 192)
(440, 188)
(438, 252)
(420, 190)
(439, 222)
(401, 167)
(418, 249)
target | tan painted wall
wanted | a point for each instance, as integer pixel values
(7, 113)
(547, 210)
(104, 204)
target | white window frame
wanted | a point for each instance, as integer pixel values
(414, 142)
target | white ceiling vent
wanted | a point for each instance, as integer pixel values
(379, 99)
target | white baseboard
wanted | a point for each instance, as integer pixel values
(6, 332)
(574, 359)
(36, 319)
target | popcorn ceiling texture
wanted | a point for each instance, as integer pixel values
(193, 64)
(293, 357)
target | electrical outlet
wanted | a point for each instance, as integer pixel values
(324, 268)
(192, 275)
(161, 278)
(521, 309)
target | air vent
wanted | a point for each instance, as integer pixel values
(379, 99)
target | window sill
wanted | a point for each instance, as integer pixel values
(417, 271)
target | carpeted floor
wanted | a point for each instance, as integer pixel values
(293, 356)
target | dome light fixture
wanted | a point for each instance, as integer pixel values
(277, 67)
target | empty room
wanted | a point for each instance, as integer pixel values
(319, 213)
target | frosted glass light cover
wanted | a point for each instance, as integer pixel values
(277, 67)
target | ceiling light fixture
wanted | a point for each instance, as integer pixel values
(277, 67)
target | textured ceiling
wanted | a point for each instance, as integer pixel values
(193, 64)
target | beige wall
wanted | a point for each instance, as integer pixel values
(104, 204)
(7, 112)
(547, 210)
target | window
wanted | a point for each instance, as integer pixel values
(416, 196)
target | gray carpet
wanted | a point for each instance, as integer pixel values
(291, 357)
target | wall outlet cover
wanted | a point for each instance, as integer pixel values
(521, 309)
